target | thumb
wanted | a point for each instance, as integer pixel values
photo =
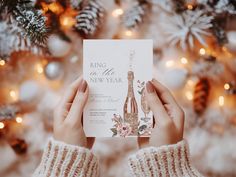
(155, 104)
(78, 104)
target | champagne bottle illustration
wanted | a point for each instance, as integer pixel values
(131, 106)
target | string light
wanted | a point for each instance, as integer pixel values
(39, 68)
(202, 51)
(190, 82)
(19, 119)
(189, 95)
(67, 21)
(117, 12)
(190, 6)
(2, 125)
(184, 60)
(169, 63)
(12, 94)
(2, 62)
(128, 33)
(221, 100)
(226, 86)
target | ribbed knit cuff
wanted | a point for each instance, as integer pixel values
(64, 160)
(172, 160)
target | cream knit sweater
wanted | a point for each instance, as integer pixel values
(64, 160)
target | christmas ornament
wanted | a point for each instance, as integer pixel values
(201, 94)
(90, 18)
(19, 145)
(135, 15)
(30, 91)
(58, 47)
(54, 70)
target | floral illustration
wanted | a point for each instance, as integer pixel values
(120, 127)
(141, 86)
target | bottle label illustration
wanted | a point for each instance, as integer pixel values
(116, 72)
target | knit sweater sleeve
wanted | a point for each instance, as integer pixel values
(172, 160)
(64, 160)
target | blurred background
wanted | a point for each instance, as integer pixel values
(194, 56)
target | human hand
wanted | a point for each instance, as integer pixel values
(168, 116)
(68, 115)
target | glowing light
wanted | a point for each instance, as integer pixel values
(39, 69)
(190, 82)
(202, 51)
(221, 100)
(2, 62)
(12, 94)
(190, 6)
(184, 60)
(227, 86)
(128, 33)
(67, 21)
(169, 63)
(189, 95)
(117, 12)
(2, 125)
(19, 120)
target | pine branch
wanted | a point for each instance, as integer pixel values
(29, 18)
(33, 23)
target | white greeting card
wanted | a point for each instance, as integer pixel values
(116, 72)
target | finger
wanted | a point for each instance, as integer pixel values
(78, 104)
(155, 104)
(164, 93)
(70, 93)
(172, 107)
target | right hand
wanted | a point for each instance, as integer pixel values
(168, 116)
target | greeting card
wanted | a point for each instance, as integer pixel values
(116, 72)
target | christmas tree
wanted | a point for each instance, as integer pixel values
(194, 56)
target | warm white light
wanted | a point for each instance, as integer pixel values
(2, 62)
(12, 94)
(19, 120)
(189, 95)
(202, 51)
(227, 86)
(184, 60)
(117, 12)
(128, 33)
(39, 69)
(190, 6)
(169, 63)
(190, 82)
(2, 125)
(221, 100)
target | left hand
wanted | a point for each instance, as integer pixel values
(68, 115)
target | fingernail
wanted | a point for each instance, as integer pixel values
(83, 86)
(149, 87)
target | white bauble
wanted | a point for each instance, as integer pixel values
(231, 35)
(54, 70)
(30, 91)
(58, 47)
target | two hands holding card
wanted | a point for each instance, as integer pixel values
(164, 153)
(168, 116)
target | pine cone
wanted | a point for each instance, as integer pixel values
(135, 15)
(201, 93)
(90, 18)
